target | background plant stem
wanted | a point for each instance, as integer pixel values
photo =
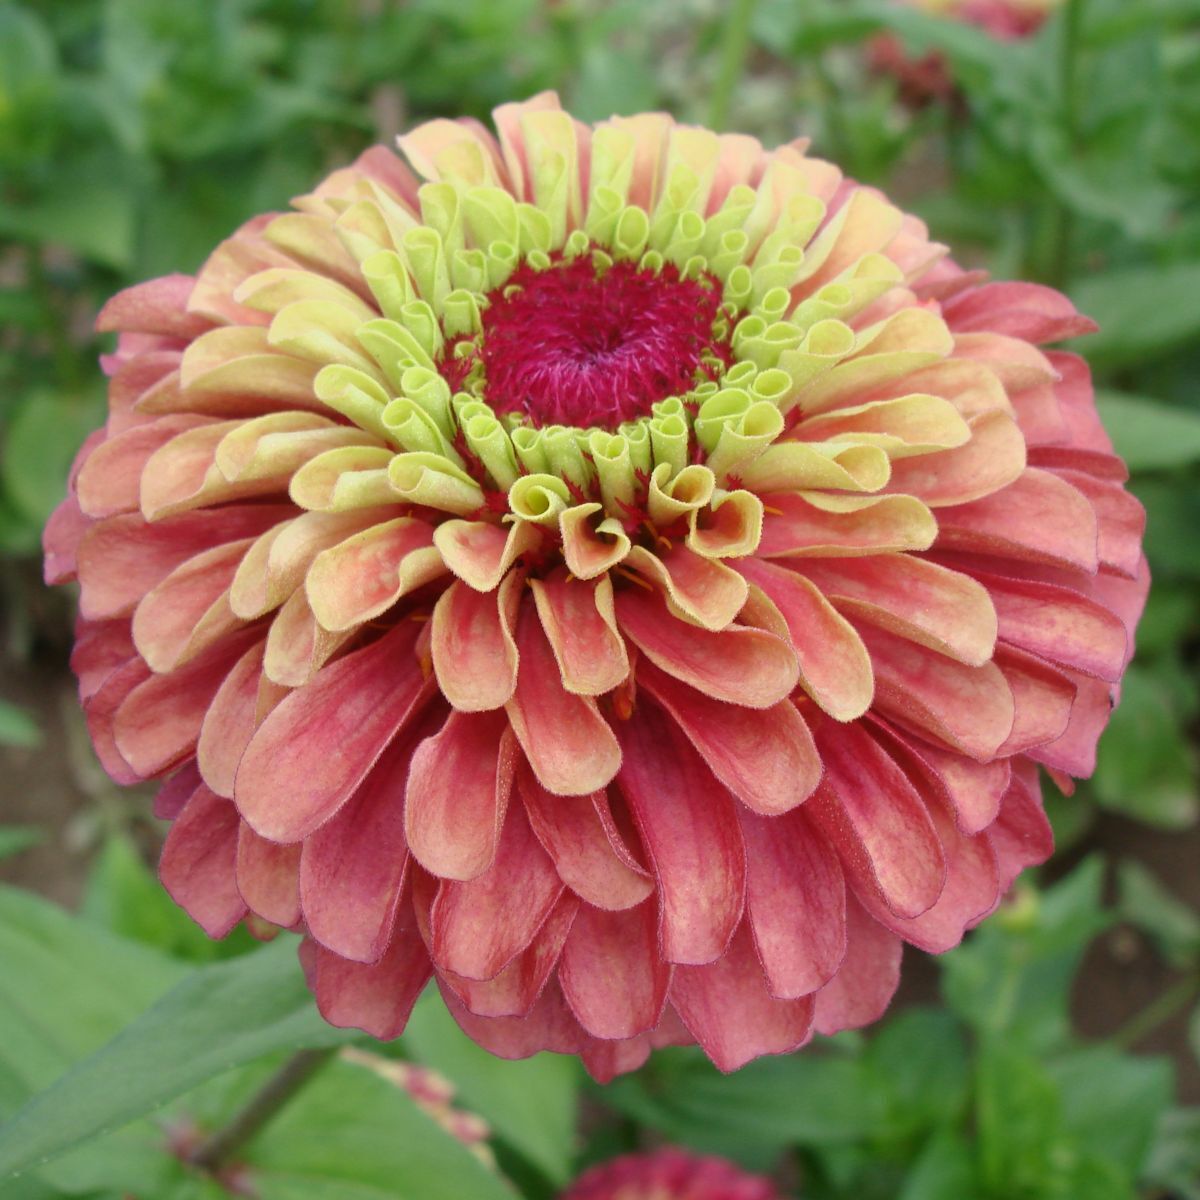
(735, 41)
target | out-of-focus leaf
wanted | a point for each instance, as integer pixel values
(65, 988)
(17, 727)
(216, 1018)
(15, 838)
(1142, 900)
(43, 436)
(1140, 310)
(1013, 977)
(1174, 1162)
(1144, 765)
(806, 1099)
(1112, 1103)
(531, 1104)
(1147, 434)
(351, 1135)
(919, 1060)
(944, 1170)
(123, 895)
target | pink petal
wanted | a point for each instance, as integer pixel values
(549, 1025)
(100, 648)
(611, 973)
(700, 589)
(352, 869)
(796, 903)
(457, 794)
(230, 721)
(376, 997)
(1122, 520)
(862, 989)
(568, 743)
(481, 926)
(268, 877)
(970, 709)
(767, 759)
(176, 791)
(688, 825)
(159, 722)
(198, 866)
(60, 541)
(835, 668)
(1021, 836)
(727, 1008)
(99, 710)
(474, 652)
(738, 664)
(1043, 697)
(515, 991)
(589, 854)
(1039, 519)
(877, 822)
(580, 623)
(1075, 751)
(310, 754)
(156, 306)
(1028, 311)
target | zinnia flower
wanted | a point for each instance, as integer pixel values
(629, 575)
(669, 1174)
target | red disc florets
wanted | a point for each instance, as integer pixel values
(574, 345)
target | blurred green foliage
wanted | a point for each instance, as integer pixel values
(135, 134)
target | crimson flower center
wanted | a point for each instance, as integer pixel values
(572, 344)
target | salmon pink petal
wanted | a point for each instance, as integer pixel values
(156, 306)
(795, 903)
(969, 709)
(688, 824)
(198, 866)
(549, 1025)
(352, 869)
(1022, 310)
(1021, 836)
(877, 822)
(374, 997)
(698, 588)
(474, 651)
(739, 665)
(60, 541)
(317, 746)
(835, 668)
(1074, 752)
(230, 721)
(611, 973)
(767, 759)
(457, 794)
(580, 623)
(479, 927)
(589, 854)
(568, 743)
(834, 525)
(730, 1012)
(159, 722)
(867, 979)
(100, 648)
(176, 791)
(268, 877)
(516, 989)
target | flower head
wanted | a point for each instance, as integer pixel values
(669, 1174)
(629, 575)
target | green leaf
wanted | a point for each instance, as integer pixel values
(808, 1099)
(1141, 311)
(531, 1103)
(123, 895)
(1145, 766)
(1112, 1103)
(919, 1061)
(1149, 435)
(15, 838)
(1174, 1164)
(42, 438)
(944, 1170)
(18, 728)
(1143, 901)
(351, 1135)
(216, 1018)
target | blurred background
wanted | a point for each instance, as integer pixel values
(1055, 142)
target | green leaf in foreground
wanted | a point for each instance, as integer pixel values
(218, 1017)
(1149, 435)
(531, 1104)
(351, 1135)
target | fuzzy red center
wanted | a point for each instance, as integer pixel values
(571, 345)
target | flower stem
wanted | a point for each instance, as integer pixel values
(218, 1151)
(735, 41)
(1159, 1011)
